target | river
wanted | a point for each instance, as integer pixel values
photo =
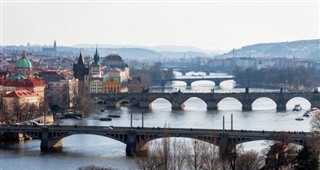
(82, 150)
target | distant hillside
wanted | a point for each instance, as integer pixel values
(147, 53)
(300, 49)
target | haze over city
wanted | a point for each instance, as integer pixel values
(216, 25)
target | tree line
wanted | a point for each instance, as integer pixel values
(288, 78)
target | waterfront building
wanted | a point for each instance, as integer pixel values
(111, 84)
(96, 85)
(60, 90)
(18, 99)
(134, 85)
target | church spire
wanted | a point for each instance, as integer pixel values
(96, 57)
(80, 60)
(55, 45)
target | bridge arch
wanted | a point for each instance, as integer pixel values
(161, 102)
(229, 103)
(208, 82)
(122, 102)
(264, 103)
(178, 83)
(227, 84)
(197, 101)
(303, 102)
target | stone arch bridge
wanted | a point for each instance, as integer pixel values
(143, 100)
(136, 139)
(189, 81)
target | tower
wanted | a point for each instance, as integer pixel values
(55, 45)
(80, 72)
(96, 69)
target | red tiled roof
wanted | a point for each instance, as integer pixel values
(31, 82)
(20, 94)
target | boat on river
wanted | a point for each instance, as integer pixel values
(105, 118)
(114, 116)
(311, 112)
(297, 108)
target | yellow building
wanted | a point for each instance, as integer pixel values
(111, 85)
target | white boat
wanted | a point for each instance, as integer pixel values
(311, 112)
(297, 108)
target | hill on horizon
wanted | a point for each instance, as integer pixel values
(309, 49)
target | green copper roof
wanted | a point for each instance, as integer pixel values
(17, 77)
(23, 62)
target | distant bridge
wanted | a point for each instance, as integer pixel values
(189, 81)
(177, 99)
(136, 139)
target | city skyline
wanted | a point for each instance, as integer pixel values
(206, 25)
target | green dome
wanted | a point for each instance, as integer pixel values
(23, 63)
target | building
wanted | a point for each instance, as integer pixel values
(22, 79)
(60, 91)
(114, 61)
(80, 71)
(134, 85)
(95, 76)
(111, 76)
(18, 100)
(111, 85)
(24, 66)
(96, 85)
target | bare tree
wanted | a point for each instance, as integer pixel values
(248, 161)
(6, 116)
(280, 153)
(179, 153)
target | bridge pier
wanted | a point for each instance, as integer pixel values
(144, 104)
(189, 83)
(176, 106)
(110, 104)
(133, 148)
(246, 106)
(226, 148)
(47, 144)
(212, 105)
(281, 107)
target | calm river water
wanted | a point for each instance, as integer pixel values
(82, 150)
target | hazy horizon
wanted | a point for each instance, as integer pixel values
(205, 25)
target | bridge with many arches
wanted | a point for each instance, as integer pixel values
(136, 139)
(177, 99)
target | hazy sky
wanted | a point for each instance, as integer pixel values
(217, 25)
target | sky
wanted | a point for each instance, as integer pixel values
(209, 25)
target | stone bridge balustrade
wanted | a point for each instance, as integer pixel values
(137, 139)
(211, 99)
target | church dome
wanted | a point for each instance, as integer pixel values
(113, 56)
(23, 62)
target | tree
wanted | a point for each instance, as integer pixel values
(248, 161)
(280, 153)
(6, 116)
(80, 101)
(179, 153)
(307, 158)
